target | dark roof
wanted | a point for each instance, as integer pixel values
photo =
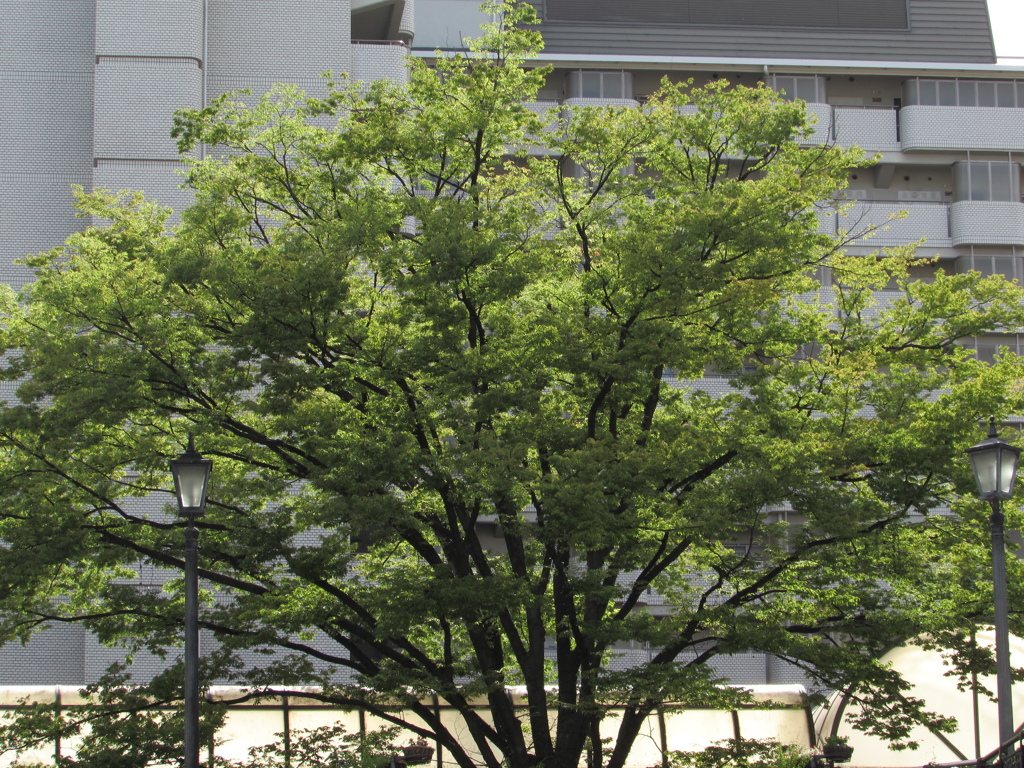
(862, 30)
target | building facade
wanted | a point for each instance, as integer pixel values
(89, 88)
(89, 93)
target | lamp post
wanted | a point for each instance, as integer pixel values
(191, 474)
(995, 468)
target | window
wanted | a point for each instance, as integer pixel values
(803, 87)
(925, 272)
(1009, 267)
(988, 347)
(964, 93)
(587, 84)
(987, 181)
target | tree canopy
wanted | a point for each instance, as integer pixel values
(450, 356)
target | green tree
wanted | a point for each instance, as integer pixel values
(124, 726)
(744, 753)
(400, 325)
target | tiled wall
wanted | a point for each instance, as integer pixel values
(87, 96)
(135, 103)
(46, 104)
(150, 28)
(965, 128)
(259, 42)
(992, 222)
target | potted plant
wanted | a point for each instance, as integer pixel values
(836, 749)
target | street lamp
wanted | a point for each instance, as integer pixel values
(191, 474)
(995, 468)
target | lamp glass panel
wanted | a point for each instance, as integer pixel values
(190, 480)
(1007, 471)
(985, 465)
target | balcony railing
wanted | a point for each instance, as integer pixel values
(885, 224)
(975, 128)
(986, 222)
(870, 128)
(379, 59)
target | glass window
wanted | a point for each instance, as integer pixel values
(807, 89)
(978, 181)
(986, 94)
(600, 85)
(1005, 93)
(1007, 266)
(966, 96)
(611, 85)
(923, 272)
(961, 181)
(987, 181)
(1000, 188)
(987, 351)
(785, 87)
(910, 92)
(947, 93)
(929, 90)
(988, 347)
(964, 93)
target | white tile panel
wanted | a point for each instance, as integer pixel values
(880, 224)
(278, 39)
(968, 128)
(379, 61)
(989, 222)
(135, 101)
(869, 128)
(149, 28)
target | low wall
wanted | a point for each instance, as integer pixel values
(777, 712)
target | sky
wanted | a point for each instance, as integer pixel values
(1008, 29)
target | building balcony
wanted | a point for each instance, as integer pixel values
(379, 60)
(134, 104)
(890, 224)
(821, 121)
(987, 222)
(872, 129)
(548, 109)
(582, 101)
(542, 107)
(967, 128)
